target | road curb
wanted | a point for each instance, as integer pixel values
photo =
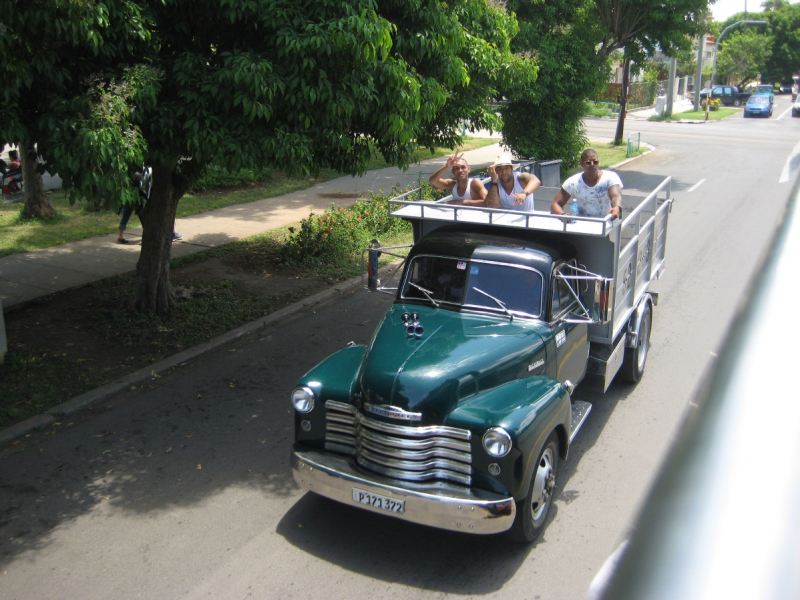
(633, 158)
(150, 372)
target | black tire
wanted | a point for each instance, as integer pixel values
(636, 358)
(737, 102)
(532, 510)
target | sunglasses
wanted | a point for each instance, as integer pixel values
(591, 162)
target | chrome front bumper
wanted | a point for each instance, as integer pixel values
(445, 506)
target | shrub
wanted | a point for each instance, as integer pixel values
(715, 104)
(343, 232)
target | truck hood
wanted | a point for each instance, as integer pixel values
(455, 356)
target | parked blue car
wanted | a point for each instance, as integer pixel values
(758, 105)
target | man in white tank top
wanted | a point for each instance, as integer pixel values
(510, 190)
(465, 189)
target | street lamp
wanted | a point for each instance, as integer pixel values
(716, 49)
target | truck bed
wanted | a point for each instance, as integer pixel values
(631, 253)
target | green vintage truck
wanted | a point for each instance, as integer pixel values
(458, 412)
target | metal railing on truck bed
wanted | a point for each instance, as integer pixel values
(631, 253)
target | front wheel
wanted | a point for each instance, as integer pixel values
(737, 102)
(532, 511)
(635, 358)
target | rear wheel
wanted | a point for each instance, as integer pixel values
(636, 358)
(532, 511)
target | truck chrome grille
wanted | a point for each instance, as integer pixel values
(399, 451)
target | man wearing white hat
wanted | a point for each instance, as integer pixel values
(508, 189)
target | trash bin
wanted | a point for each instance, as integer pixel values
(661, 104)
(548, 172)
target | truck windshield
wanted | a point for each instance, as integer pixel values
(453, 282)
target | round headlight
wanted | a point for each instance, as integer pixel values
(303, 399)
(497, 442)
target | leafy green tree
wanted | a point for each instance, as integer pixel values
(784, 30)
(545, 120)
(299, 85)
(641, 27)
(51, 52)
(742, 55)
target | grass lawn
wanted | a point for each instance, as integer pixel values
(699, 115)
(713, 115)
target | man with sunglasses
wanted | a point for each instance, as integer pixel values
(598, 191)
(466, 190)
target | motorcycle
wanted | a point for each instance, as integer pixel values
(10, 179)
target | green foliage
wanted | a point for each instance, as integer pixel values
(544, 120)
(742, 54)
(715, 104)
(655, 71)
(602, 109)
(784, 31)
(296, 86)
(342, 233)
(643, 27)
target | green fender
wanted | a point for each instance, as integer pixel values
(335, 378)
(529, 410)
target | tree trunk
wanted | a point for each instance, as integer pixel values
(37, 205)
(154, 292)
(623, 100)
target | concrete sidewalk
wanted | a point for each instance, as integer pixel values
(30, 275)
(679, 106)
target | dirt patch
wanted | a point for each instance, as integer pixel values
(87, 333)
(338, 195)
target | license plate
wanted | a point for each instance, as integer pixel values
(377, 501)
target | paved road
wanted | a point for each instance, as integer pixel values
(181, 489)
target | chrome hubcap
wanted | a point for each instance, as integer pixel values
(543, 485)
(644, 344)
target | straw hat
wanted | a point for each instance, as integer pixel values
(504, 159)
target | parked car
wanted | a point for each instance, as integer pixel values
(758, 105)
(729, 95)
(796, 107)
(765, 89)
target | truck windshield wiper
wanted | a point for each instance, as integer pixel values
(428, 293)
(499, 303)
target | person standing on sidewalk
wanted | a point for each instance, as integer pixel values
(509, 189)
(466, 190)
(143, 182)
(598, 191)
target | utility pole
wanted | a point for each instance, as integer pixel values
(673, 70)
(698, 77)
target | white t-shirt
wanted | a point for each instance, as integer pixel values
(592, 201)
